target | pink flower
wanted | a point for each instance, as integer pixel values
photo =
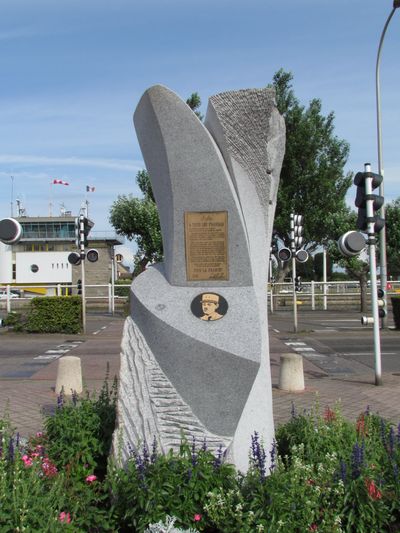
(39, 434)
(91, 478)
(27, 460)
(329, 415)
(313, 527)
(197, 517)
(373, 490)
(49, 469)
(65, 518)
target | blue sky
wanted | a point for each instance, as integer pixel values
(72, 73)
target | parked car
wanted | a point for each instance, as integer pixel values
(13, 294)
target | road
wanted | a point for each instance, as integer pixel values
(336, 342)
(23, 354)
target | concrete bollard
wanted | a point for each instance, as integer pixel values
(69, 375)
(291, 376)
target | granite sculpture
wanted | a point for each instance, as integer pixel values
(195, 355)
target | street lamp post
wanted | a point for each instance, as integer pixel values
(382, 234)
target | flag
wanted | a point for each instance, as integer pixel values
(60, 182)
(90, 189)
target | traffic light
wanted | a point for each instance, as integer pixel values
(297, 284)
(92, 255)
(302, 256)
(351, 243)
(297, 231)
(382, 311)
(368, 204)
(274, 243)
(81, 232)
(74, 258)
(10, 231)
(79, 286)
(284, 254)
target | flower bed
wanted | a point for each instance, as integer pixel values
(322, 474)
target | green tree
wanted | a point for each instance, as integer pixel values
(194, 102)
(312, 180)
(392, 217)
(137, 219)
(356, 267)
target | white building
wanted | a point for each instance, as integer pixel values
(41, 256)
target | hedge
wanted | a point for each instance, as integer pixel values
(55, 314)
(396, 311)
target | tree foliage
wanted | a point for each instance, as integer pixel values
(137, 219)
(392, 217)
(312, 181)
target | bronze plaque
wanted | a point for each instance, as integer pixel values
(206, 240)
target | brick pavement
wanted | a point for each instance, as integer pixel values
(25, 399)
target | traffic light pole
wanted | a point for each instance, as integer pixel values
(293, 247)
(83, 296)
(294, 294)
(382, 235)
(82, 238)
(372, 272)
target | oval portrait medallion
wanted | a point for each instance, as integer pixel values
(209, 306)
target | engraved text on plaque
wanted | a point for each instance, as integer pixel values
(206, 240)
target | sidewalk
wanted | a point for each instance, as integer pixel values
(25, 399)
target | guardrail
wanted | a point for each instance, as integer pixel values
(315, 294)
(320, 295)
(17, 297)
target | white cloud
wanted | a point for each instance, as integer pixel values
(115, 164)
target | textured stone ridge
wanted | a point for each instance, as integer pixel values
(251, 110)
(253, 135)
(148, 404)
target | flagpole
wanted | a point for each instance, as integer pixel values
(51, 199)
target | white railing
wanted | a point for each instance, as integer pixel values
(320, 295)
(15, 297)
(315, 294)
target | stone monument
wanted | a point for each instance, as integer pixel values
(195, 353)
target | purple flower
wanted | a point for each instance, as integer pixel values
(204, 445)
(343, 471)
(218, 457)
(272, 454)
(153, 456)
(11, 449)
(131, 450)
(146, 456)
(60, 400)
(293, 410)
(357, 459)
(391, 440)
(395, 472)
(258, 456)
(194, 453)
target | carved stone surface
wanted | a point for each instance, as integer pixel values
(215, 367)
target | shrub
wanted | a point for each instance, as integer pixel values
(36, 496)
(79, 434)
(55, 315)
(396, 311)
(15, 320)
(122, 288)
(155, 485)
